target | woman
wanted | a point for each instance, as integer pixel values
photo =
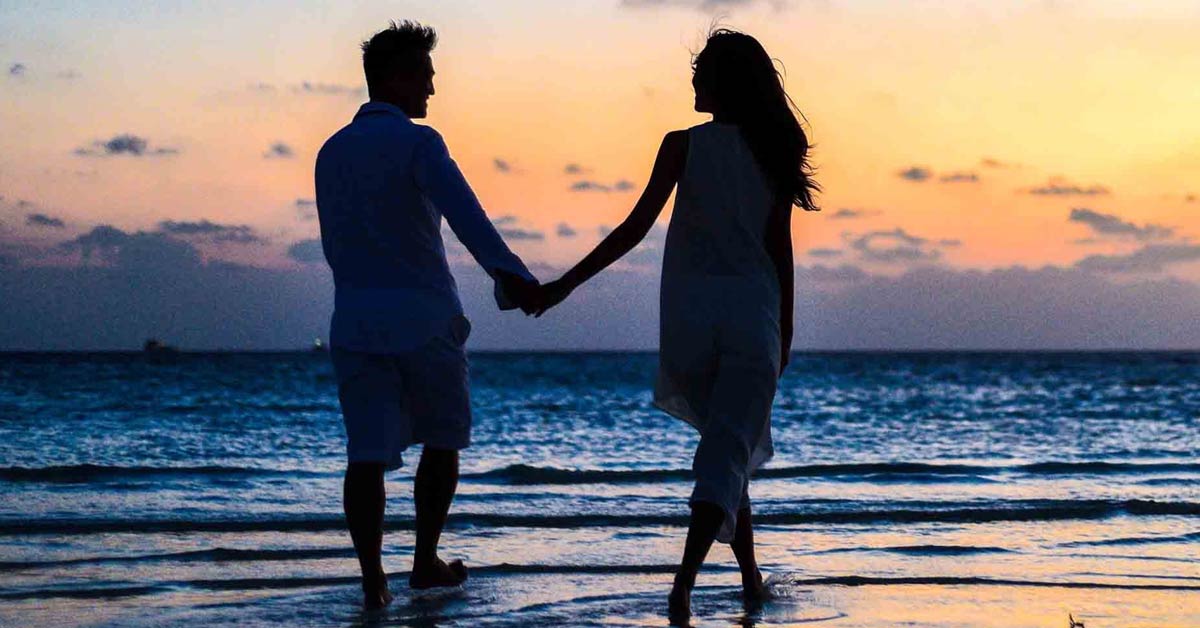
(726, 302)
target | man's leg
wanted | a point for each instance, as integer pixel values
(433, 490)
(363, 500)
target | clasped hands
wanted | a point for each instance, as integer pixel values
(532, 297)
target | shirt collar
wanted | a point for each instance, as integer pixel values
(376, 106)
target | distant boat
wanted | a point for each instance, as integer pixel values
(318, 346)
(156, 348)
(154, 345)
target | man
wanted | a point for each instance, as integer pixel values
(383, 186)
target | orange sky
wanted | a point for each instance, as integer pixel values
(1087, 94)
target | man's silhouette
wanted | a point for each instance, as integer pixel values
(383, 186)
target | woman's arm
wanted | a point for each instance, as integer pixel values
(668, 167)
(779, 246)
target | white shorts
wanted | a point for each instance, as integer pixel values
(393, 400)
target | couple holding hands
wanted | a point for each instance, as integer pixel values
(383, 186)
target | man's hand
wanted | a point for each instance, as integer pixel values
(552, 294)
(523, 292)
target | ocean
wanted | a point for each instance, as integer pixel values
(914, 489)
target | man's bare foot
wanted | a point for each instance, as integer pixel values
(375, 593)
(679, 605)
(753, 589)
(437, 574)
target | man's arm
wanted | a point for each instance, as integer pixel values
(438, 176)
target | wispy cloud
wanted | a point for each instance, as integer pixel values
(279, 150)
(915, 173)
(44, 220)
(517, 233)
(17, 69)
(621, 185)
(823, 252)
(307, 251)
(565, 231)
(238, 234)
(502, 165)
(575, 169)
(327, 89)
(959, 177)
(844, 273)
(846, 213)
(896, 245)
(699, 5)
(1059, 187)
(1111, 224)
(306, 207)
(124, 144)
(1148, 259)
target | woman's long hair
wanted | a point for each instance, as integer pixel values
(739, 77)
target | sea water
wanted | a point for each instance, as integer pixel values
(941, 489)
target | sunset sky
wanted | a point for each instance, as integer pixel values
(963, 146)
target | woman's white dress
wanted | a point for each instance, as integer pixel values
(719, 331)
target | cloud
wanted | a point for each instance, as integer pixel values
(141, 251)
(700, 5)
(157, 286)
(307, 251)
(17, 69)
(516, 233)
(501, 165)
(506, 226)
(565, 231)
(124, 144)
(279, 150)
(102, 239)
(949, 242)
(1150, 258)
(1190, 198)
(1058, 187)
(846, 213)
(825, 252)
(819, 273)
(896, 245)
(585, 185)
(42, 220)
(988, 162)
(575, 169)
(327, 89)
(1110, 224)
(240, 234)
(959, 177)
(306, 207)
(915, 173)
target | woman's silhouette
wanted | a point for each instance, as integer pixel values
(726, 301)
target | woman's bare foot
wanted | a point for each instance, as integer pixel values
(437, 574)
(679, 605)
(375, 592)
(753, 589)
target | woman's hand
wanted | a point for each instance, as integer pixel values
(551, 294)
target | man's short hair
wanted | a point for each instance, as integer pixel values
(400, 48)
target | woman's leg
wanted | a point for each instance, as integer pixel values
(702, 530)
(743, 549)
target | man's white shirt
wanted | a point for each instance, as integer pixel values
(383, 186)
